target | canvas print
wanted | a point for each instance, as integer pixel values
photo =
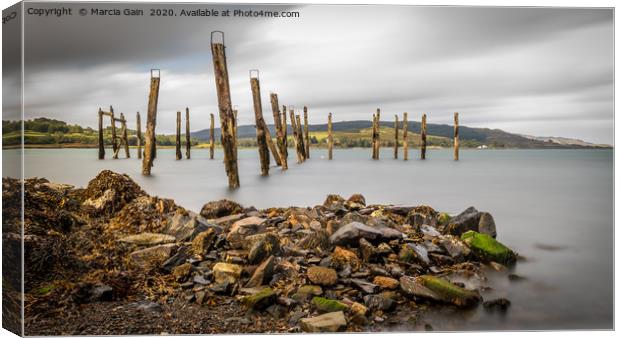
(197, 168)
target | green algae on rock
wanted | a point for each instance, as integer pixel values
(325, 305)
(487, 248)
(260, 300)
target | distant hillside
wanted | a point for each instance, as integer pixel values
(470, 137)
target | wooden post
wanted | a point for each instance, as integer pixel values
(212, 137)
(101, 144)
(405, 138)
(395, 137)
(300, 157)
(423, 138)
(138, 135)
(225, 110)
(306, 138)
(285, 132)
(178, 139)
(151, 121)
(300, 135)
(456, 136)
(374, 136)
(188, 142)
(114, 144)
(378, 139)
(277, 122)
(330, 140)
(261, 138)
(124, 133)
(235, 130)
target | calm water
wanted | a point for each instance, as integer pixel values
(552, 206)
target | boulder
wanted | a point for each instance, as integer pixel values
(322, 275)
(486, 248)
(333, 202)
(152, 256)
(203, 241)
(439, 289)
(454, 247)
(148, 238)
(221, 208)
(342, 257)
(355, 202)
(261, 246)
(324, 305)
(243, 228)
(186, 225)
(263, 273)
(329, 322)
(474, 220)
(225, 273)
(260, 300)
(306, 291)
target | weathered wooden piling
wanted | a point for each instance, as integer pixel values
(405, 138)
(285, 132)
(306, 132)
(423, 138)
(101, 144)
(113, 123)
(330, 140)
(225, 110)
(277, 122)
(138, 135)
(151, 121)
(125, 139)
(378, 135)
(300, 135)
(188, 142)
(261, 138)
(300, 156)
(456, 136)
(235, 129)
(395, 137)
(212, 137)
(179, 155)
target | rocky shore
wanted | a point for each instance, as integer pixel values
(110, 259)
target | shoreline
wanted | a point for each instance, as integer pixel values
(358, 267)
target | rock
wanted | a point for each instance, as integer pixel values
(365, 286)
(324, 305)
(225, 273)
(412, 252)
(513, 277)
(385, 282)
(322, 275)
(501, 304)
(439, 289)
(380, 302)
(351, 233)
(388, 234)
(221, 208)
(329, 322)
(443, 219)
(262, 246)
(333, 202)
(421, 215)
(152, 256)
(454, 247)
(109, 192)
(369, 252)
(474, 220)
(428, 231)
(226, 220)
(181, 272)
(315, 239)
(203, 241)
(177, 259)
(358, 312)
(243, 228)
(185, 225)
(486, 248)
(148, 238)
(260, 300)
(101, 292)
(263, 273)
(355, 202)
(306, 291)
(105, 201)
(342, 257)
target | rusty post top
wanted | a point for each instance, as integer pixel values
(214, 34)
(254, 71)
(153, 70)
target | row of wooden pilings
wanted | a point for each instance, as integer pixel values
(228, 126)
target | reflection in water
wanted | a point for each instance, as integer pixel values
(554, 207)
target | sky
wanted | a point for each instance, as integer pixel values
(535, 71)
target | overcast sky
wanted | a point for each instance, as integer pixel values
(544, 72)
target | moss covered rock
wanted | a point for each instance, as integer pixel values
(260, 300)
(325, 305)
(439, 289)
(487, 248)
